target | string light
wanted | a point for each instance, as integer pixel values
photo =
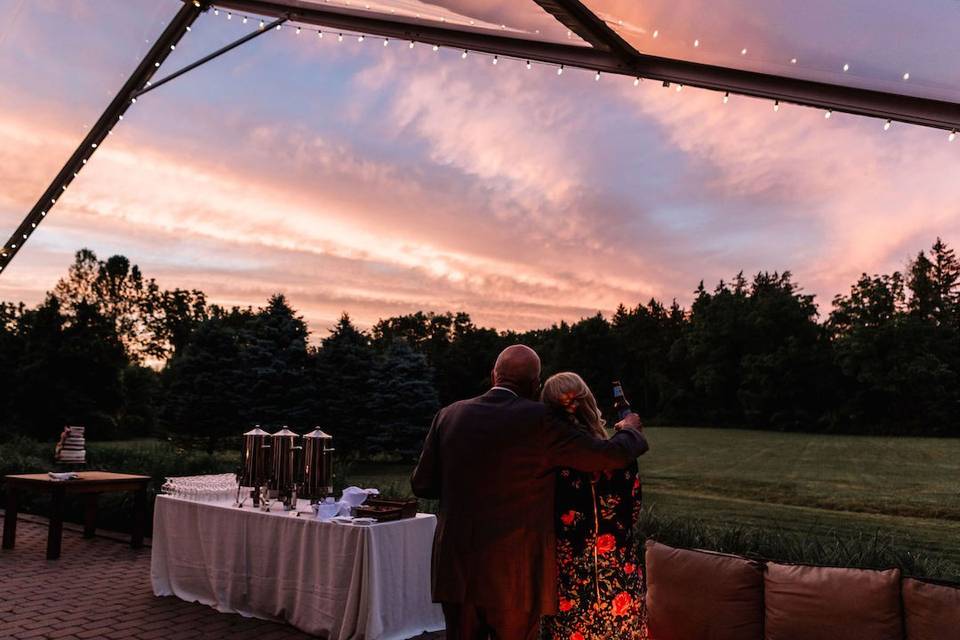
(436, 47)
(793, 61)
(529, 66)
(906, 76)
(496, 59)
(887, 125)
(828, 114)
(464, 54)
(696, 43)
(229, 16)
(656, 33)
(261, 24)
(339, 37)
(776, 105)
(319, 35)
(386, 41)
(846, 67)
(726, 97)
(560, 70)
(411, 44)
(743, 51)
(360, 38)
(298, 30)
(952, 136)
(636, 81)
(597, 77)
(679, 88)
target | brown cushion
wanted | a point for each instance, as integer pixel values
(699, 595)
(820, 603)
(932, 611)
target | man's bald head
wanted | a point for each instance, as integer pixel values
(518, 368)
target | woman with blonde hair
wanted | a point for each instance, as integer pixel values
(600, 579)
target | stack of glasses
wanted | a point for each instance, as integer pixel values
(220, 487)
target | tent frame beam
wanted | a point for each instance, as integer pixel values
(608, 53)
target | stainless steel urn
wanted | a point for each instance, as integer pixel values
(283, 485)
(317, 466)
(255, 461)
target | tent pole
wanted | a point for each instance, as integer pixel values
(173, 33)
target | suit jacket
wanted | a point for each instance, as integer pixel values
(490, 461)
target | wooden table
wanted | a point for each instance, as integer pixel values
(89, 484)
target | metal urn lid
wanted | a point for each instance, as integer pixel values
(317, 433)
(285, 433)
(256, 431)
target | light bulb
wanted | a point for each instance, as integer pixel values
(636, 81)
(846, 67)
(828, 114)
(216, 12)
(320, 35)
(656, 33)
(776, 105)
(597, 77)
(726, 97)
(359, 38)
(464, 54)
(679, 88)
(743, 51)
(339, 37)
(887, 125)
(560, 70)
(696, 43)
(436, 47)
(952, 136)
(496, 59)
(386, 41)
(298, 30)
(411, 44)
(279, 26)
(793, 61)
(229, 16)
(906, 76)
(529, 66)
(261, 24)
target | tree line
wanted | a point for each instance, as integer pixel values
(109, 349)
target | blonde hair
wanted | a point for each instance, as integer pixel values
(568, 391)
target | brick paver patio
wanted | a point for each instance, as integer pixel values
(100, 589)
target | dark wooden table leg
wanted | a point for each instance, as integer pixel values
(10, 519)
(55, 532)
(89, 515)
(139, 518)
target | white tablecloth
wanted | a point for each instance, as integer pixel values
(339, 581)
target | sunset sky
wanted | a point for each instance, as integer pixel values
(379, 180)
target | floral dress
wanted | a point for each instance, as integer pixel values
(600, 579)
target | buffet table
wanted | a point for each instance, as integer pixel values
(339, 581)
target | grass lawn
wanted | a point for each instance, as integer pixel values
(904, 490)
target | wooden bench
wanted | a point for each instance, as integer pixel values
(89, 484)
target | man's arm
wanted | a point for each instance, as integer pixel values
(425, 480)
(571, 447)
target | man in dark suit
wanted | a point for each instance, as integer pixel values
(490, 461)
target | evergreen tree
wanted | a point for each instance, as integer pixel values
(402, 402)
(343, 366)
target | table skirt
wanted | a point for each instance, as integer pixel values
(340, 581)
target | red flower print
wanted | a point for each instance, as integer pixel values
(576, 635)
(629, 568)
(621, 603)
(568, 518)
(606, 543)
(565, 605)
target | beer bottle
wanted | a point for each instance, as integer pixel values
(620, 404)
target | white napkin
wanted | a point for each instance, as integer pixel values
(69, 475)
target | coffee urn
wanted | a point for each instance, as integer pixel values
(317, 466)
(283, 485)
(255, 465)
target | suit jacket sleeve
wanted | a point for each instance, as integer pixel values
(573, 448)
(425, 480)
